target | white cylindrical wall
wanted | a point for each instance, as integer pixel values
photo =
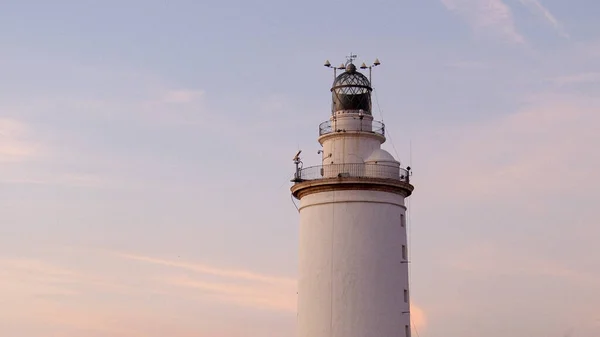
(348, 149)
(352, 146)
(352, 122)
(352, 274)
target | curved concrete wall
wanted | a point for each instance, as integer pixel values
(352, 146)
(352, 275)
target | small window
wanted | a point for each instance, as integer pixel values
(402, 223)
(407, 331)
(406, 295)
(404, 252)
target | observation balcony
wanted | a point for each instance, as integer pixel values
(365, 125)
(358, 170)
(359, 176)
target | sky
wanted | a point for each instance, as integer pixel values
(146, 146)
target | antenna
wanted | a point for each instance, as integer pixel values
(298, 163)
(350, 58)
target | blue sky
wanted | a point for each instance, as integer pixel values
(145, 157)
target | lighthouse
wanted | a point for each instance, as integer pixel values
(353, 252)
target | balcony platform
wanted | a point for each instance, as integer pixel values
(357, 176)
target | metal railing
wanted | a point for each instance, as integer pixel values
(358, 170)
(329, 127)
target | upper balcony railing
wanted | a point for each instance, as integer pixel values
(364, 126)
(359, 170)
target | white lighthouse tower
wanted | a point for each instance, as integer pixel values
(353, 259)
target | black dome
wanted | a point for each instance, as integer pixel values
(351, 90)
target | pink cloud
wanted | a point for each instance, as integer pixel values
(536, 7)
(487, 17)
(589, 77)
(73, 301)
(418, 318)
(261, 296)
(211, 270)
(15, 143)
(476, 258)
(182, 96)
(546, 146)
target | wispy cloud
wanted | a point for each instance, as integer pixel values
(172, 107)
(90, 320)
(19, 146)
(182, 96)
(536, 7)
(523, 148)
(281, 297)
(42, 275)
(18, 275)
(46, 295)
(589, 77)
(514, 179)
(52, 295)
(211, 270)
(62, 179)
(487, 17)
(15, 145)
(57, 296)
(467, 65)
(233, 286)
(476, 258)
